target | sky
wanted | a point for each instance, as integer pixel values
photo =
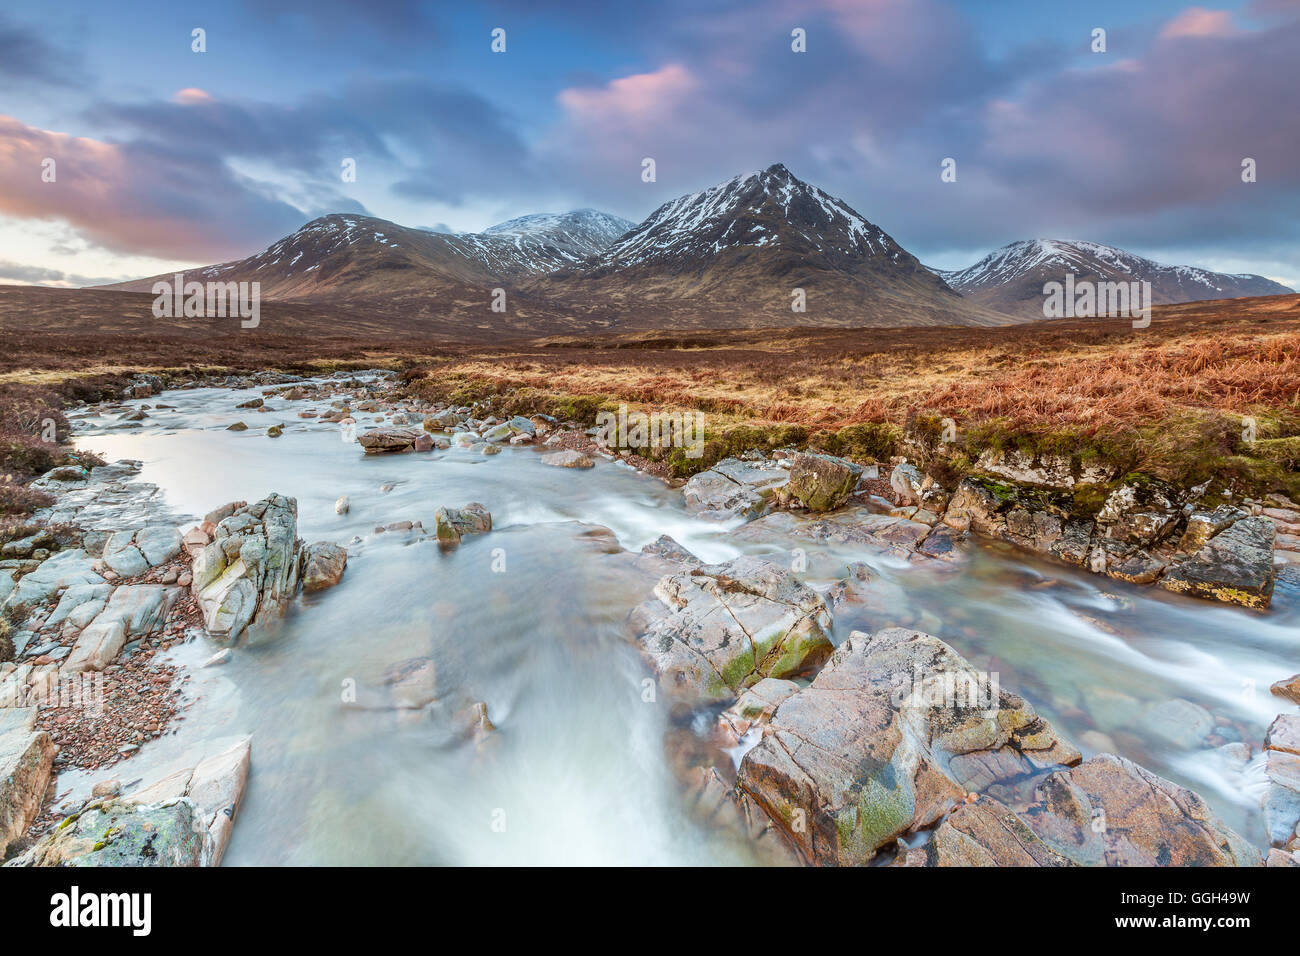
(165, 157)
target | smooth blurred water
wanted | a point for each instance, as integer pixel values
(578, 770)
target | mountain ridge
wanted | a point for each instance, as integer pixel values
(1011, 278)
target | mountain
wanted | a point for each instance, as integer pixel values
(583, 232)
(1011, 279)
(348, 255)
(733, 254)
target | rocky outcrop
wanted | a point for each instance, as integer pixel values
(26, 756)
(214, 778)
(1235, 565)
(728, 626)
(821, 482)
(1141, 534)
(322, 565)
(733, 488)
(250, 568)
(892, 733)
(182, 818)
(899, 734)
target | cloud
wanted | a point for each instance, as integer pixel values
(26, 58)
(136, 197)
(1199, 22)
(20, 274)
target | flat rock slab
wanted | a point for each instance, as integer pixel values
(133, 610)
(61, 570)
(567, 459)
(855, 526)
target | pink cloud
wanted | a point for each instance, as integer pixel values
(1199, 22)
(130, 198)
(633, 97)
(192, 94)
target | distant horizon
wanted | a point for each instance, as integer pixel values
(171, 158)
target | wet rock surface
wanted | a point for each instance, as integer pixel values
(721, 628)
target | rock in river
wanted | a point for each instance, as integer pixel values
(733, 488)
(322, 565)
(452, 523)
(894, 730)
(567, 459)
(379, 440)
(728, 626)
(821, 482)
(250, 569)
(1235, 565)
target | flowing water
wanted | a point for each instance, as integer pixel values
(530, 620)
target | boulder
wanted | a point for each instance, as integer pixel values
(1284, 734)
(379, 440)
(894, 730)
(1235, 565)
(25, 760)
(733, 488)
(728, 626)
(322, 565)
(821, 482)
(250, 569)
(451, 523)
(1282, 798)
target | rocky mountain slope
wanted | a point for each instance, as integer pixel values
(741, 248)
(1011, 279)
(345, 255)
